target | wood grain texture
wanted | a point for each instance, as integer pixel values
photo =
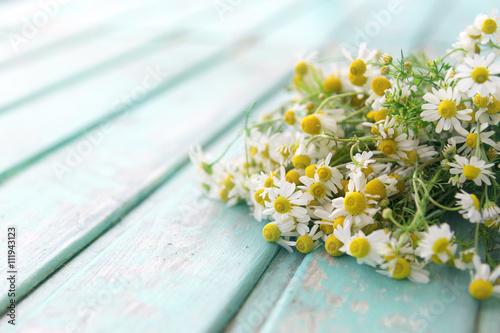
(121, 90)
(30, 28)
(138, 155)
(33, 78)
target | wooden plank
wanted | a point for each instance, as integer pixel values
(28, 80)
(139, 154)
(59, 120)
(338, 293)
(36, 28)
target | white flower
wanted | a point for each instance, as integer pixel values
(477, 75)
(491, 211)
(318, 189)
(436, 244)
(443, 109)
(285, 200)
(474, 169)
(365, 248)
(483, 282)
(361, 161)
(466, 42)
(355, 206)
(485, 28)
(400, 268)
(470, 207)
(331, 176)
(465, 259)
(280, 231)
(470, 140)
(309, 242)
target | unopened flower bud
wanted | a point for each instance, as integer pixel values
(386, 59)
(385, 70)
(387, 213)
(407, 67)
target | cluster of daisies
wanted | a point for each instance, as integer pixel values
(371, 152)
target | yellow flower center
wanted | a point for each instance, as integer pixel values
(259, 199)
(338, 221)
(489, 26)
(271, 232)
(326, 228)
(254, 151)
(290, 117)
(333, 245)
(301, 68)
(380, 115)
(476, 201)
(440, 245)
(301, 161)
(282, 205)
(304, 244)
(324, 173)
(480, 74)
(388, 147)
(332, 84)
(224, 195)
(269, 182)
(311, 124)
(481, 289)
(357, 80)
(494, 106)
(401, 269)
(379, 85)
(480, 101)
(318, 190)
(228, 183)
(355, 203)
(471, 140)
(358, 67)
(359, 247)
(447, 109)
(310, 170)
(368, 170)
(292, 176)
(376, 188)
(471, 172)
(265, 153)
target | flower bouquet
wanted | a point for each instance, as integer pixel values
(371, 152)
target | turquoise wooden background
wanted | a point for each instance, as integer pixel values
(99, 103)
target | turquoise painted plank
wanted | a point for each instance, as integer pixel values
(138, 155)
(28, 26)
(330, 293)
(489, 316)
(259, 303)
(68, 24)
(28, 80)
(115, 92)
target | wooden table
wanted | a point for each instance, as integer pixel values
(99, 103)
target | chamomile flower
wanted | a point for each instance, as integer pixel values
(491, 211)
(437, 244)
(330, 176)
(470, 207)
(360, 161)
(466, 42)
(315, 123)
(470, 140)
(309, 242)
(365, 248)
(280, 232)
(443, 110)
(465, 259)
(485, 28)
(318, 189)
(286, 200)
(359, 69)
(473, 169)
(356, 206)
(478, 75)
(484, 282)
(402, 268)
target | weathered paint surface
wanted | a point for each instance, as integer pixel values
(100, 252)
